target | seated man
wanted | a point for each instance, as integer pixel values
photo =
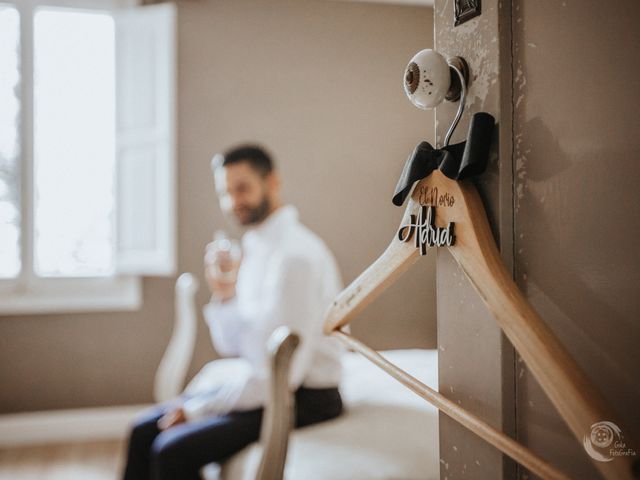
(287, 276)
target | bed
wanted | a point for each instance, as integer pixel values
(386, 431)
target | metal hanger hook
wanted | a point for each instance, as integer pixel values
(459, 66)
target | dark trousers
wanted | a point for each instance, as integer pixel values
(181, 451)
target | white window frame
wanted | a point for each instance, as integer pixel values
(29, 293)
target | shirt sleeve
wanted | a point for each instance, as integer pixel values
(291, 298)
(225, 324)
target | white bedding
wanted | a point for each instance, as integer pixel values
(386, 432)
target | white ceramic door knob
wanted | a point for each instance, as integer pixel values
(427, 79)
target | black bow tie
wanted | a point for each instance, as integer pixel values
(457, 162)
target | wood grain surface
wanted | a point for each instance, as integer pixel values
(566, 385)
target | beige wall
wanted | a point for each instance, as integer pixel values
(320, 84)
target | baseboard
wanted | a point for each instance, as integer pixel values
(64, 426)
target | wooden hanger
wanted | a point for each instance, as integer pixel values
(458, 202)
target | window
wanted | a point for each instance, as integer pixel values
(87, 190)
(9, 137)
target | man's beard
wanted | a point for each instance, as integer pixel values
(258, 213)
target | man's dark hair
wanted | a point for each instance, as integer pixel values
(254, 155)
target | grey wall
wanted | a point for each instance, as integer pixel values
(320, 84)
(577, 208)
(562, 196)
(475, 360)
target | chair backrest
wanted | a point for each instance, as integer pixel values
(278, 419)
(172, 371)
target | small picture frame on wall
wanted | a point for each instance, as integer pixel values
(465, 10)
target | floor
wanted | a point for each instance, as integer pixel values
(85, 461)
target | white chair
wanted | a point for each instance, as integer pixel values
(386, 432)
(172, 372)
(171, 376)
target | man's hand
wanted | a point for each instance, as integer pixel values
(172, 418)
(222, 291)
(221, 272)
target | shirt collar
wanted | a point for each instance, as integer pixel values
(268, 230)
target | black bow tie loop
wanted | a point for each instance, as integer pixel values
(459, 161)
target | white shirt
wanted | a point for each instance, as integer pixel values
(289, 277)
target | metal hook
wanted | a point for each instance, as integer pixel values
(459, 66)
